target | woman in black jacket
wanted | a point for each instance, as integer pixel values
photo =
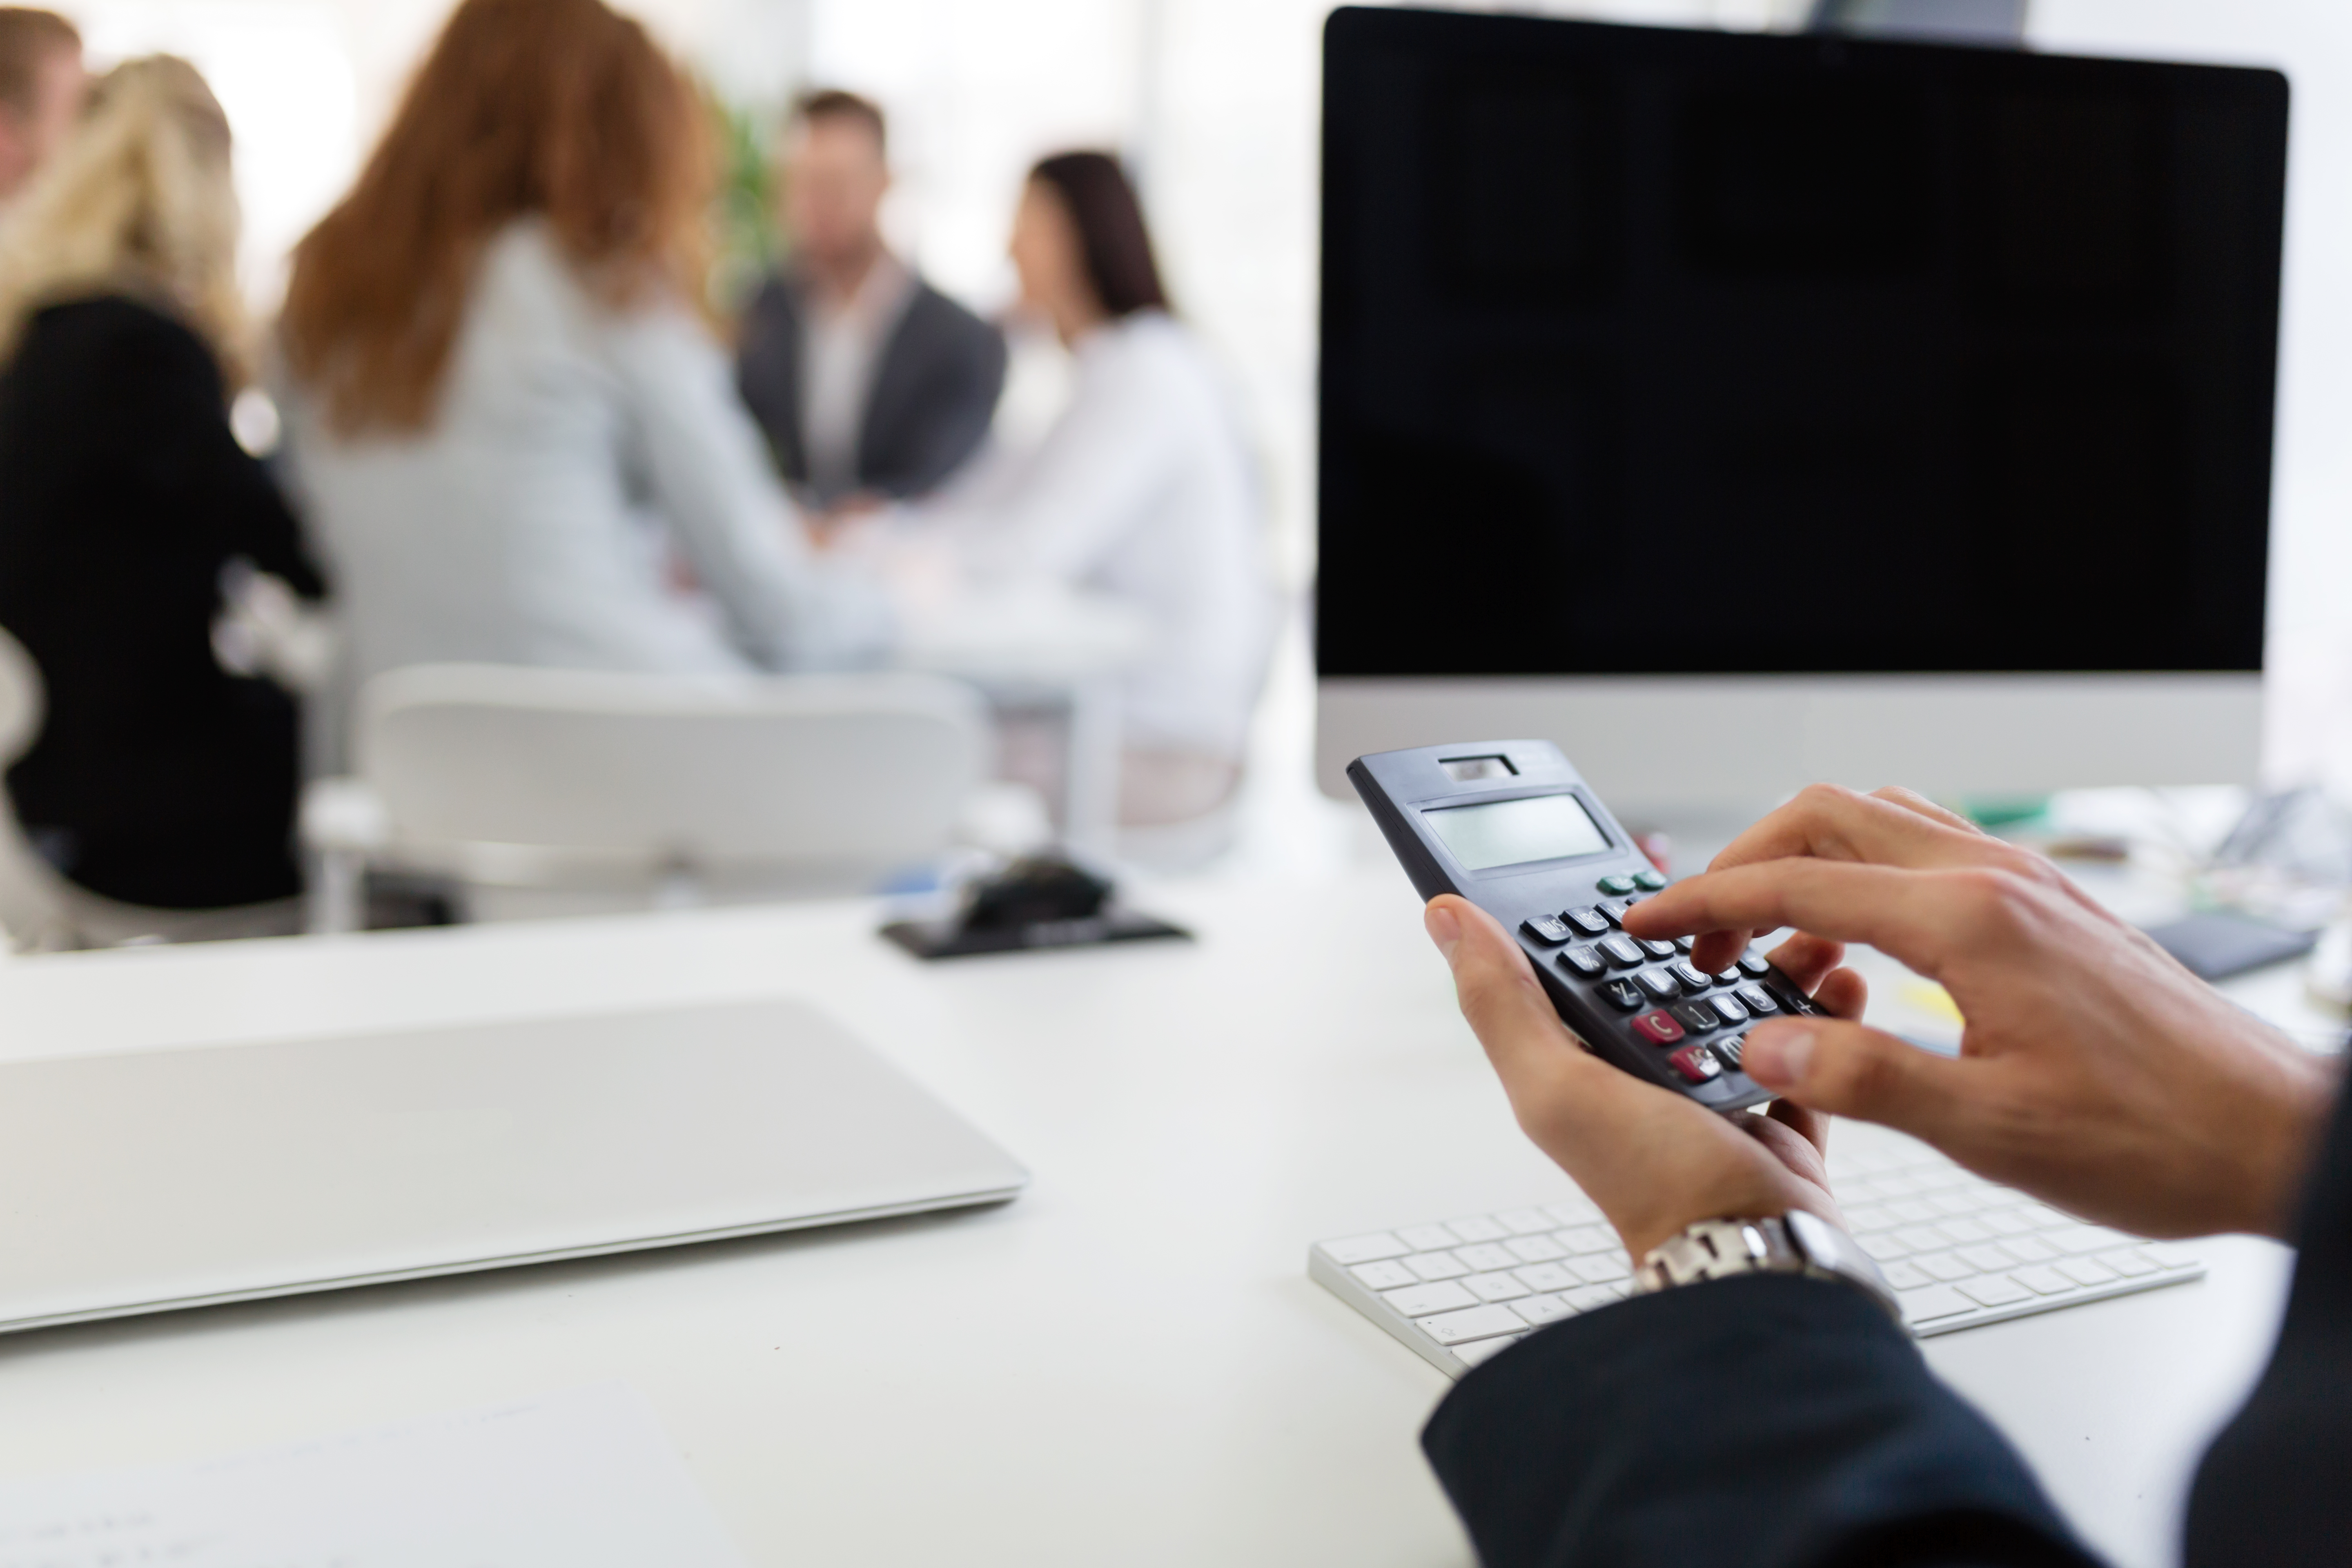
(158, 778)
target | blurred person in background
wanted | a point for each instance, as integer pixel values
(41, 85)
(158, 777)
(507, 420)
(870, 384)
(1141, 492)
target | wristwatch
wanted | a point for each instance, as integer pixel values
(1797, 1243)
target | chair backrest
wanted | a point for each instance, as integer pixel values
(696, 771)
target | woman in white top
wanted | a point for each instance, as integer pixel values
(1142, 490)
(514, 435)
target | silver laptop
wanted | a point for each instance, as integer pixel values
(162, 1179)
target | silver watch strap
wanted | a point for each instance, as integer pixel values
(1801, 1244)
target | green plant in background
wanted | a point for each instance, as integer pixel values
(745, 245)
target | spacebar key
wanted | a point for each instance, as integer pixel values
(1477, 1323)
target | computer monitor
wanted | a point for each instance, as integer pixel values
(1739, 410)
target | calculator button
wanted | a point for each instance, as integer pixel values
(1754, 965)
(1616, 887)
(1613, 910)
(1622, 951)
(1625, 994)
(1759, 1000)
(1696, 1063)
(1693, 976)
(1698, 1016)
(1733, 1013)
(1658, 984)
(1590, 921)
(1657, 949)
(1649, 881)
(1548, 927)
(1657, 1028)
(1729, 977)
(1584, 962)
(1685, 943)
(1730, 1046)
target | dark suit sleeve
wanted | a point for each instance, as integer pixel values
(1767, 1421)
(934, 396)
(174, 397)
(2272, 1491)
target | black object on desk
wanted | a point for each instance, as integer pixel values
(2215, 945)
(1041, 901)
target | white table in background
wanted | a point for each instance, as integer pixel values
(1127, 1365)
(1060, 649)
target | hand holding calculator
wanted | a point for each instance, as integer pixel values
(1510, 825)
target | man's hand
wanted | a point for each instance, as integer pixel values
(1653, 1161)
(2094, 1072)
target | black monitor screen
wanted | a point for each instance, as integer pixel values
(1648, 351)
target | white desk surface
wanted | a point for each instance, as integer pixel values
(1127, 1364)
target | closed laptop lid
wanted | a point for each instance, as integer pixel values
(147, 1181)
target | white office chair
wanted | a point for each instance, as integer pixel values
(41, 911)
(547, 791)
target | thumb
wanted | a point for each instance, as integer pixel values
(1849, 1069)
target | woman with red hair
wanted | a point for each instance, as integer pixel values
(508, 419)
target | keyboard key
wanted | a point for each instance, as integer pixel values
(1996, 1290)
(2005, 1222)
(1882, 1248)
(1658, 984)
(2030, 1248)
(1583, 960)
(1728, 1007)
(2042, 1216)
(1383, 1276)
(1991, 1260)
(1434, 1266)
(1624, 996)
(1757, 1000)
(1542, 1310)
(1524, 1221)
(1613, 910)
(2043, 1281)
(1649, 881)
(1869, 1217)
(1960, 1229)
(1698, 1016)
(1693, 977)
(2168, 1257)
(1486, 1255)
(1477, 1323)
(1956, 1203)
(1685, 943)
(1912, 1211)
(1919, 1237)
(1576, 1211)
(1942, 1265)
(2082, 1271)
(1495, 1287)
(1419, 1301)
(1616, 887)
(1658, 1028)
(1586, 1239)
(1658, 949)
(1696, 1063)
(1930, 1302)
(2126, 1260)
(1590, 1296)
(1727, 977)
(1478, 1227)
(1367, 1248)
(1599, 1270)
(2081, 1238)
(1754, 964)
(1621, 951)
(1480, 1350)
(1547, 1277)
(1731, 1048)
(1903, 1277)
(1590, 921)
(1547, 928)
(1537, 1248)
(1427, 1238)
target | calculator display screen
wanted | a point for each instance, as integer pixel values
(1506, 832)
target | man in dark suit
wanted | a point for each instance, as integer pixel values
(1747, 1409)
(870, 384)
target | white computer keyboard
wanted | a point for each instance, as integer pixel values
(1958, 1250)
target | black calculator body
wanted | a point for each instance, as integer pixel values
(1510, 825)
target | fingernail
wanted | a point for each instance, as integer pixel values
(1444, 929)
(1778, 1061)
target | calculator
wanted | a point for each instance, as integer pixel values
(1511, 827)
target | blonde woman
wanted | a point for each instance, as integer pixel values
(158, 777)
